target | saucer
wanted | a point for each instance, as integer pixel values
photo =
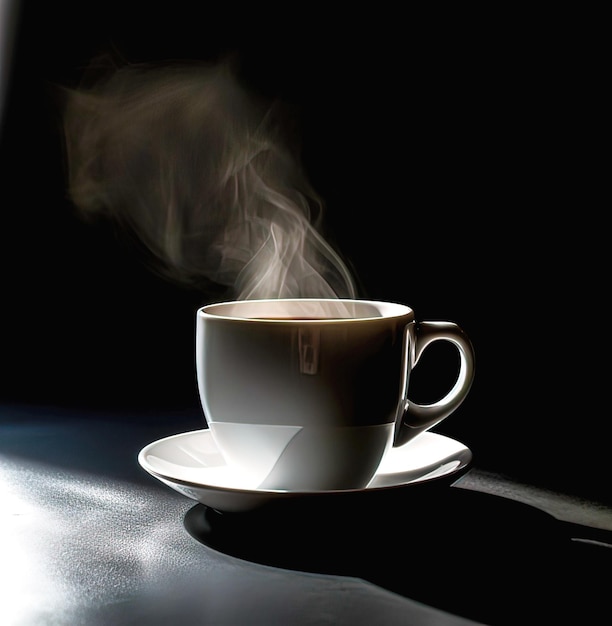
(191, 464)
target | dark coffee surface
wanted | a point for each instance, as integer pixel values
(295, 318)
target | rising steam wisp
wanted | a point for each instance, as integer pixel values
(200, 170)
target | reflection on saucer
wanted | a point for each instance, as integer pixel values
(191, 464)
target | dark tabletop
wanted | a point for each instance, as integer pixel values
(88, 537)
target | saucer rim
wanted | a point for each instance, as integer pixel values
(464, 456)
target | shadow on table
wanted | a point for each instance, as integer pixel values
(477, 555)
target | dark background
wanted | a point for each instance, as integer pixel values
(457, 154)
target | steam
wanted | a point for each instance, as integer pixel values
(201, 170)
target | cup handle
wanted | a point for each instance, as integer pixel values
(414, 418)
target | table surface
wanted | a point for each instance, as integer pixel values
(88, 537)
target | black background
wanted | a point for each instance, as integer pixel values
(457, 154)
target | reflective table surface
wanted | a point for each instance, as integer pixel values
(87, 537)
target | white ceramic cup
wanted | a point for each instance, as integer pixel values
(309, 394)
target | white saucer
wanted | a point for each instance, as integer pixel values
(191, 464)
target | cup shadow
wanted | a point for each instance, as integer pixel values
(476, 555)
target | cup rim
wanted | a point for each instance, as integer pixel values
(385, 309)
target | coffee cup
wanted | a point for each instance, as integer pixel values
(308, 394)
